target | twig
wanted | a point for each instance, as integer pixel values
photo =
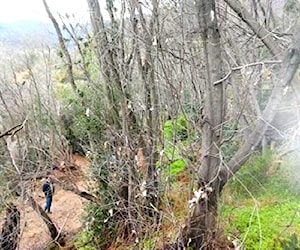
(245, 66)
(291, 222)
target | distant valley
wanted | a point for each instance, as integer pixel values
(26, 34)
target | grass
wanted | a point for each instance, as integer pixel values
(260, 209)
(262, 226)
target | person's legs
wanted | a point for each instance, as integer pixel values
(48, 203)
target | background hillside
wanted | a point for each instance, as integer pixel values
(27, 34)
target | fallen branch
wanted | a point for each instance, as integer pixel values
(76, 191)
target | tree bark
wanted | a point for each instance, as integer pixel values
(9, 238)
(200, 230)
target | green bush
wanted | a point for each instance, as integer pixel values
(101, 229)
(176, 129)
(175, 133)
(177, 166)
(82, 241)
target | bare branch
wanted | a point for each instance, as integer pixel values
(264, 35)
(289, 67)
(245, 66)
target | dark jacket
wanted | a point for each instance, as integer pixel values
(48, 189)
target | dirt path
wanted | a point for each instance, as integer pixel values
(66, 211)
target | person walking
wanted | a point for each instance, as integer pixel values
(48, 190)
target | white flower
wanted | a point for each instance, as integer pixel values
(144, 193)
(143, 189)
(88, 112)
(198, 195)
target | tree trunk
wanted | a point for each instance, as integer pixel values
(289, 66)
(11, 229)
(201, 228)
(64, 49)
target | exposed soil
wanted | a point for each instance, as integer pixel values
(66, 209)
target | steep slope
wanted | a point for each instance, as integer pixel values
(66, 211)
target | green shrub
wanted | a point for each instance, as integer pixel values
(82, 241)
(100, 219)
(147, 244)
(175, 133)
(177, 166)
(101, 227)
(176, 129)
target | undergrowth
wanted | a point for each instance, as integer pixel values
(261, 207)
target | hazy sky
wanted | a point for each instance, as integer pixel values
(12, 10)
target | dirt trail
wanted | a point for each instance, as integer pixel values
(66, 211)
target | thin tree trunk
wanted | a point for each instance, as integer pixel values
(104, 52)
(289, 67)
(258, 29)
(200, 231)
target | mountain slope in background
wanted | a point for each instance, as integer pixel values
(26, 34)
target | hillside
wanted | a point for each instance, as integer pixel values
(66, 211)
(26, 34)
